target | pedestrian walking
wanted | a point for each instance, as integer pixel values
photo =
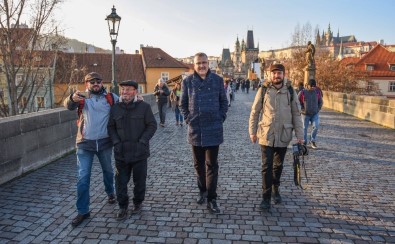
(92, 139)
(204, 106)
(175, 103)
(311, 103)
(161, 91)
(274, 115)
(131, 126)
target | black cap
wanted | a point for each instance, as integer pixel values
(129, 83)
(279, 67)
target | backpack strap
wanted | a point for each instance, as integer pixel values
(81, 104)
(110, 98)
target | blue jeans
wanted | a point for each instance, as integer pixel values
(179, 116)
(84, 163)
(315, 121)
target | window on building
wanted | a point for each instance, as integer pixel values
(140, 89)
(370, 85)
(369, 67)
(391, 87)
(23, 102)
(18, 79)
(40, 102)
(164, 76)
(392, 67)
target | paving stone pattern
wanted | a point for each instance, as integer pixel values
(349, 197)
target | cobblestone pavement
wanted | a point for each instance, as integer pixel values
(349, 197)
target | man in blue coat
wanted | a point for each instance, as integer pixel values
(204, 106)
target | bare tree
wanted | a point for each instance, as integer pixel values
(300, 37)
(26, 53)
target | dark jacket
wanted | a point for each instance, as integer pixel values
(130, 127)
(310, 101)
(204, 106)
(161, 97)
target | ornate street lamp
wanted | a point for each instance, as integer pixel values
(113, 21)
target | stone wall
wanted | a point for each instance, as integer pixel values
(372, 108)
(30, 141)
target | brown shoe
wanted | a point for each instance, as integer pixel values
(137, 209)
(79, 218)
(111, 199)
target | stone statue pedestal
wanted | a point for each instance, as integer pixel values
(309, 73)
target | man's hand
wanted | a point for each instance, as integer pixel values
(253, 138)
(77, 97)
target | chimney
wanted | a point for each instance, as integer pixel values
(136, 51)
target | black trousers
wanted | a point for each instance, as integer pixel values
(206, 169)
(122, 176)
(162, 107)
(272, 167)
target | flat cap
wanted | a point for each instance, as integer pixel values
(92, 76)
(279, 67)
(129, 83)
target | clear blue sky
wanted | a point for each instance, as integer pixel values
(182, 27)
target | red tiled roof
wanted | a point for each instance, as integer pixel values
(349, 61)
(157, 58)
(381, 57)
(128, 66)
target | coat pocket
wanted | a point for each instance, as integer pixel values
(286, 134)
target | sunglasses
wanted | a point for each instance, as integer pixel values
(95, 81)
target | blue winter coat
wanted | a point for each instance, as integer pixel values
(204, 106)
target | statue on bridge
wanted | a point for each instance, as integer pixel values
(310, 52)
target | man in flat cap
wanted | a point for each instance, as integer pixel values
(131, 126)
(93, 109)
(274, 115)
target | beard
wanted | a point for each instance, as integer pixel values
(96, 91)
(277, 81)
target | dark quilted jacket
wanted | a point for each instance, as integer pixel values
(204, 106)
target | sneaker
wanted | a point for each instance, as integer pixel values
(161, 124)
(177, 123)
(79, 218)
(122, 214)
(213, 207)
(137, 209)
(111, 198)
(181, 124)
(313, 145)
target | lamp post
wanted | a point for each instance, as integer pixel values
(113, 21)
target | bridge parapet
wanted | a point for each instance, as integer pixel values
(372, 108)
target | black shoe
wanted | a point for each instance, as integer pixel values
(111, 199)
(122, 214)
(137, 209)
(202, 198)
(276, 195)
(213, 207)
(313, 144)
(79, 218)
(265, 204)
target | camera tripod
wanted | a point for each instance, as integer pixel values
(298, 164)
